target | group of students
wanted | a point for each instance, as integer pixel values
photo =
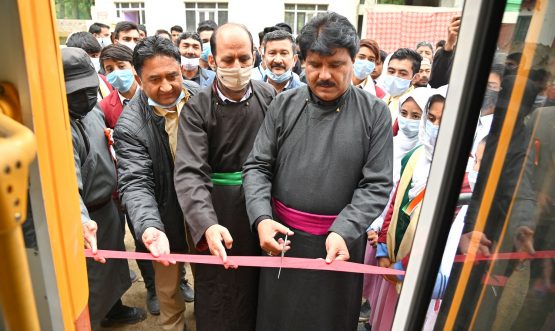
(218, 155)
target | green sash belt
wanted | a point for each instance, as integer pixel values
(227, 178)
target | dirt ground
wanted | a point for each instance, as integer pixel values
(136, 297)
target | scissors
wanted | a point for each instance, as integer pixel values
(282, 254)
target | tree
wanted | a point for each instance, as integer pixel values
(74, 9)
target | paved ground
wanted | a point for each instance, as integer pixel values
(136, 296)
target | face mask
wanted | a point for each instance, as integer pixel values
(278, 78)
(490, 99)
(472, 178)
(189, 64)
(104, 41)
(235, 79)
(96, 63)
(540, 100)
(409, 127)
(394, 85)
(167, 107)
(431, 132)
(129, 44)
(122, 80)
(363, 68)
(81, 102)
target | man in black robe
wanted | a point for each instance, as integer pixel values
(216, 133)
(321, 169)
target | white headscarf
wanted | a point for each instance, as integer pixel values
(422, 169)
(401, 143)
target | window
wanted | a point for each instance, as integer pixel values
(298, 15)
(196, 12)
(131, 11)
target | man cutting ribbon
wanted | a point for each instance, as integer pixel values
(216, 133)
(321, 167)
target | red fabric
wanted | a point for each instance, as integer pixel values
(382, 236)
(393, 30)
(317, 225)
(112, 108)
(110, 87)
(395, 127)
(379, 92)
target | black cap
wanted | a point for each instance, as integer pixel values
(79, 72)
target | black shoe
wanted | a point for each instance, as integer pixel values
(152, 304)
(132, 276)
(122, 316)
(364, 312)
(187, 291)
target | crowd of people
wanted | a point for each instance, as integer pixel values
(318, 146)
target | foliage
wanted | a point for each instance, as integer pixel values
(74, 9)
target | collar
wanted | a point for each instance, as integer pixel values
(164, 112)
(121, 97)
(228, 100)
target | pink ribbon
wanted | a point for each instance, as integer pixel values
(254, 261)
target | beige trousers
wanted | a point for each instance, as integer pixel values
(172, 305)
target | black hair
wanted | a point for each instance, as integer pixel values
(187, 35)
(326, 32)
(150, 47)
(285, 27)
(116, 52)
(142, 27)
(176, 28)
(425, 43)
(97, 27)
(207, 25)
(383, 55)
(215, 34)
(408, 54)
(279, 35)
(440, 43)
(124, 26)
(266, 30)
(433, 99)
(162, 31)
(84, 40)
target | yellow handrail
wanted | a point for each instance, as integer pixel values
(18, 148)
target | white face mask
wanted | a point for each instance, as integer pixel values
(234, 79)
(129, 44)
(472, 179)
(105, 41)
(395, 85)
(409, 127)
(189, 64)
(96, 63)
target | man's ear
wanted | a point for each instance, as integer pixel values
(415, 79)
(211, 61)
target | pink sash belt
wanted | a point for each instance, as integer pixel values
(311, 223)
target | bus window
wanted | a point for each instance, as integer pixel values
(503, 276)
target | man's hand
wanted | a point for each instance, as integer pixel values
(524, 240)
(336, 248)
(452, 33)
(89, 234)
(475, 241)
(384, 262)
(373, 237)
(267, 230)
(214, 235)
(157, 243)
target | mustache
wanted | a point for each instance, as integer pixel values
(278, 66)
(325, 83)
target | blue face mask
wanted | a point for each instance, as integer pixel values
(409, 127)
(278, 78)
(167, 107)
(431, 132)
(363, 68)
(394, 85)
(122, 80)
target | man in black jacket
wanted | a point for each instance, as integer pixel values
(145, 139)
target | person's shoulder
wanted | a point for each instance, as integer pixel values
(263, 88)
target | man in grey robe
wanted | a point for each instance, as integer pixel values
(215, 136)
(320, 171)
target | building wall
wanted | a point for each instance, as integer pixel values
(255, 14)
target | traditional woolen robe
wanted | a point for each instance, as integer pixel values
(214, 140)
(325, 158)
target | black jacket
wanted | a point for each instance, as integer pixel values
(145, 172)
